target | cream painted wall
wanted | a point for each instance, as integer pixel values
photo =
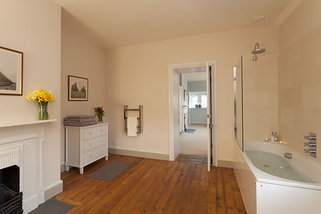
(83, 57)
(139, 75)
(34, 27)
(300, 75)
(261, 96)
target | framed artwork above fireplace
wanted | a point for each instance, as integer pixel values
(11, 72)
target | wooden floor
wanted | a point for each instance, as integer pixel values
(154, 186)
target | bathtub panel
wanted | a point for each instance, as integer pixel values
(278, 199)
(247, 183)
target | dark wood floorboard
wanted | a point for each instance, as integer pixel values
(154, 186)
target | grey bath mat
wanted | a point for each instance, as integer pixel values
(53, 206)
(110, 171)
(190, 130)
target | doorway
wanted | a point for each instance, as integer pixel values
(192, 109)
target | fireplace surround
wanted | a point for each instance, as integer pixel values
(21, 164)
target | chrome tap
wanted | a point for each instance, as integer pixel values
(311, 136)
(311, 152)
(310, 146)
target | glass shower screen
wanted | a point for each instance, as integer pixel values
(238, 103)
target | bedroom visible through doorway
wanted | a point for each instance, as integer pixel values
(193, 108)
(193, 111)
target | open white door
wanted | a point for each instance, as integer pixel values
(209, 73)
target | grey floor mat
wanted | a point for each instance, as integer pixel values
(52, 206)
(110, 171)
(190, 130)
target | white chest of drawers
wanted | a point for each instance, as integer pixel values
(85, 145)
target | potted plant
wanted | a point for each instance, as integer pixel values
(99, 112)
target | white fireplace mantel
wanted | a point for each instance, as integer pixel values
(21, 144)
(25, 123)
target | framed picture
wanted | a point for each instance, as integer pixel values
(77, 88)
(11, 72)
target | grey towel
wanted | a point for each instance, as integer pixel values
(79, 117)
(80, 120)
(79, 124)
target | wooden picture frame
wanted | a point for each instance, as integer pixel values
(77, 88)
(11, 72)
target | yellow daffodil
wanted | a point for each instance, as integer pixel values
(40, 95)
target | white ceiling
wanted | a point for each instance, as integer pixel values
(127, 22)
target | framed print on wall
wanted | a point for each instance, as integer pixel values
(11, 72)
(77, 88)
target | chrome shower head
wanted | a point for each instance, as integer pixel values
(257, 49)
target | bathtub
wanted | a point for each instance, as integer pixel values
(272, 184)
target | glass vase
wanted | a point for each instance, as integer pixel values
(43, 111)
(100, 118)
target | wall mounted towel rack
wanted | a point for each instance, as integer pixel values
(139, 118)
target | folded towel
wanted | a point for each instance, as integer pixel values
(79, 124)
(79, 117)
(80, 120)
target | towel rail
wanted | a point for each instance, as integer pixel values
(139, 118)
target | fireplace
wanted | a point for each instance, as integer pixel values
(10, 195)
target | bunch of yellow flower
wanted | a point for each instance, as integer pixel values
(40, 95)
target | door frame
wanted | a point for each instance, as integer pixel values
(171, 107)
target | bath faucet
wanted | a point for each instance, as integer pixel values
(274, 138)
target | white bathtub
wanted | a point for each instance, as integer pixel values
(292, 186)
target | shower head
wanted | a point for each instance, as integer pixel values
(257, 49)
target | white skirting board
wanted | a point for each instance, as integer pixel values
(151, 155)
(34, 201)
(53, 190)
(225, 163)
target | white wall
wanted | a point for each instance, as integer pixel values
(139, 75)
(81, 56)
(34, 27)
(261, 96)
(300, 76)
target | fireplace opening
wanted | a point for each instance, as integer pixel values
(10, 195)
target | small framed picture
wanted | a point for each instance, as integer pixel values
(11, 72)
(77, 88)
